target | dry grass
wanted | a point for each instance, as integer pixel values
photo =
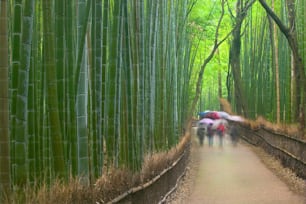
(58, 192)
(156, 163)
(110, 185)
(289, 129)
(114, 183)
(226, 106)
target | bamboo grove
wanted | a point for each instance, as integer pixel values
(273, 84)
(262, 75)
(89, 85)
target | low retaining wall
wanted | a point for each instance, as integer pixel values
(290, 151)
(156, 190)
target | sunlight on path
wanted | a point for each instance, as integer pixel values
(234, 175)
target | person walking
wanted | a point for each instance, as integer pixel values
(201, 134)
(220, 132)
(234, 135)
(210, 134)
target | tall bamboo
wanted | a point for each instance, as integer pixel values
(4, 100)
(15, 66)
(140, 53)
(96, 87)
(71, 63)
(22, 127)
(52, 101)
(81, 89)
(110, 106)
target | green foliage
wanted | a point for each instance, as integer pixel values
(203, 20)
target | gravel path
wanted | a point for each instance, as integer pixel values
(242, 174)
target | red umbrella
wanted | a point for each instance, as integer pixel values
(212, 115)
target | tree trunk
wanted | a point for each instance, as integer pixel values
(273, 35)
(234, 57)
(234, 60)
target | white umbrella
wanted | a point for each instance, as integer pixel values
(236, 118)
(224, 114)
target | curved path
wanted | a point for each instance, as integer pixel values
(235, 175)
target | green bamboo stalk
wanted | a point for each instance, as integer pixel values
(32, 151)
(22, 128)
(81, 85)
(127, 148)
(164, 37)
(96, 77)
(4, 101)
(52, 101)
(105, 31)
(70, 36)
(82, 25)
(81, 114)
(92, 90)
(34, 161)
(150, 78)
(173, 17)
(62, 75)
(153, 70)
(38, 90)
(16, 52)
(139, 41)
(110, 101)
(118, 60)
(159, 59)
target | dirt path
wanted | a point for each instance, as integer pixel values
(234, 175)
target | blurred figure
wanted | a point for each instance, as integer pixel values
(201, 133)
(202, 129)
(220, 132)
(210, 134)
(234, 134)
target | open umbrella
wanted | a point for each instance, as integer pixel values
(224, 114)
(204, 122)
(212, 115)
(236, 118)
(202, 114)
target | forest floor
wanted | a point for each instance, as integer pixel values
(241, 174)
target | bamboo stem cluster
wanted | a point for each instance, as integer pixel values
(92, 84)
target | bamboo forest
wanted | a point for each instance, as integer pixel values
(88, 86)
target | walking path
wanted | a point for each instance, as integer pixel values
(235, 175)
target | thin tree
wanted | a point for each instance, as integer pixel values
(274, 41)
(217, 43)
(234, 55)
